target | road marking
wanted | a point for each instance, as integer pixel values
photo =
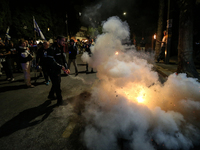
(68, 131)
(72, 124)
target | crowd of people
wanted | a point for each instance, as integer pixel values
(48, 58)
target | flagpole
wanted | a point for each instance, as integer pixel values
(34, 27)
(7, 36)
(35, 35)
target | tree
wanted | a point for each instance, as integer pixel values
(185, 44)
(5, 17)
(160, 27)
(93, 32)
(47, 14)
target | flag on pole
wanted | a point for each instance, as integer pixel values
(7, 32)
(37, 29)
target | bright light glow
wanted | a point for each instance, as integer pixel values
(140, 99)
(124, 13)
(84, 40)
(154, 36)
(165, 52)
(116, 53)
(135, 93)
(48, 29)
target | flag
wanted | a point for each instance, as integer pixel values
(7, 32)
(37, 29)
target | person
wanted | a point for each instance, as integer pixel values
(92, 42)
(13, 55)
(1, 58)
(134, 42)
(72, 56)
(142, 44)
(31, 43)
(87, 49)
(25, 59)
(27, 43)
(7, 42)
(6, 55)
(55, 62)
(40, 59)
(161, 55)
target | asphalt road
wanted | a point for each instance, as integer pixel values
(28, 120)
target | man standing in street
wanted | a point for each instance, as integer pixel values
(142, 44)
(161, 55)
(56, 61)
(5, 56)
(41, 58)
(72, 55)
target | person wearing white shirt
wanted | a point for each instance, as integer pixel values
(161, 55)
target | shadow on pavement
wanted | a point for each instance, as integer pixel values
(38, 83)
(4, 81)
(26, 118)
(90, 72)
(11, 88)
(82, 72)
(81, 64)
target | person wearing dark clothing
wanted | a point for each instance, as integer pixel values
(142, 44)
(87, 49)
(41, 58)
(55, 62)
(72, 56)
(5, 54)
(14, 57)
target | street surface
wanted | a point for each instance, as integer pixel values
(28, 120)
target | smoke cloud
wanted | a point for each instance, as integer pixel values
(129, 103)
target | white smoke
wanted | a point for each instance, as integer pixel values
(130, 103)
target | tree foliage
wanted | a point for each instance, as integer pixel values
(5, 17)
(93, 32)
(48, 14)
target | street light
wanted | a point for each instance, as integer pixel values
(154, 36)
(153, 41)
(124, 13)
(48, 29)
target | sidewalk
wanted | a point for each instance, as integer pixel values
(166, 69)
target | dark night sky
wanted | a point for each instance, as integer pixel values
(134, 9)
(141, 15)
(99, 10)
